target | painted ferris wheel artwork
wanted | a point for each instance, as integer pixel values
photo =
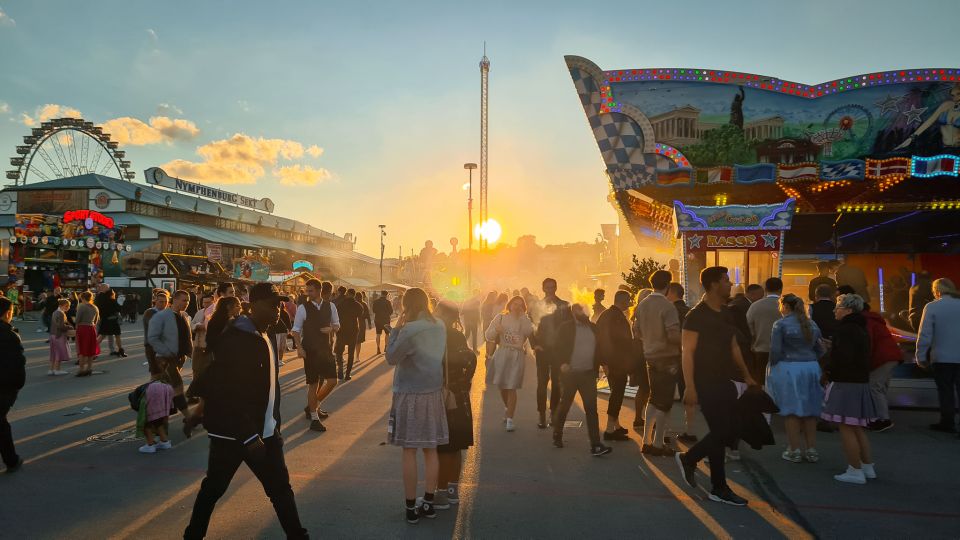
(65, 147)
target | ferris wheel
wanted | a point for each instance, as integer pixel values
(855, 122)
(65, 147)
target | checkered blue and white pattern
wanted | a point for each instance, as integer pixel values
(618, 136)
(624, 178)
(847, 169)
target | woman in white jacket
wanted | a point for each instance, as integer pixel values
(511, 330)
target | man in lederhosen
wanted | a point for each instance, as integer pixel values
(314, 326)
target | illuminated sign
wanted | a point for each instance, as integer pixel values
(88, 217)
(753, 241)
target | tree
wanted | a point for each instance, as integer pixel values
(639, 275)
(724, 145)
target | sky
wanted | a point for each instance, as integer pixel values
(354, 114)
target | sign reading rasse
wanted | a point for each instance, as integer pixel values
(754, 241)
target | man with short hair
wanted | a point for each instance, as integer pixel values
(821, 310)
(760, 318)
(169, 334)
(598, 308)
(711, 359)
(13, 373)
(314, 325)
(577, 352)
(823, 278)
(351, 320)
(555, 312)
(241, 396)
(675, 295)
(382, 311)
(615, 352)
(160, 301)
(658, 328)
(938, 347)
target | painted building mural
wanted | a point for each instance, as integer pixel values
(673, 126)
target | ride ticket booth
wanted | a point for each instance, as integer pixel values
(746, 239)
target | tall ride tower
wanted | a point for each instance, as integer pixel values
(484, 93)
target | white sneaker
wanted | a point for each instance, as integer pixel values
(50, 372)
(60, 372)
(164, 445)
(148, 449)
(733, 455)
(868, 471)
(508, 424)
(792, 456)
(852, 476)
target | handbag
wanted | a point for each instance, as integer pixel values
(71, 332)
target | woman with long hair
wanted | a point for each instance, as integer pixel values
(228, 308)
(793, 378)
(848, 400)
(459, 366)
(418, 419)
(110, 321)
(510, 330)
(87, 344)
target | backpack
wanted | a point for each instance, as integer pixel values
(138, 395)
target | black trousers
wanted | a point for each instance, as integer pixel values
(225, 458)
(718, 404)
(947, 378)
(350, 345)
(9, 453)
(584, 382)
(548, 370)
(471, 330)
(618, 385)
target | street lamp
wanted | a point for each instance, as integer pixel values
(470, 167)
(383, 235)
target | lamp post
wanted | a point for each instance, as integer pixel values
(470, 167)
(383, 235)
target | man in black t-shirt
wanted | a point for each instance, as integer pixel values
(711, 359)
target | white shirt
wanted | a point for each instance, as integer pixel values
(301, 316)
(269, 421)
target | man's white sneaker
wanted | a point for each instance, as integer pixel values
(60, 372)
(852, 476)
(164, 445)
(508, 425)
(148, 449)
(868, 471)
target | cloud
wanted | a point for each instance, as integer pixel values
(243, 159)
(153, 35)
(48, 111)
(4, 108)
(315, 151)
(6, 20)
(301, 175)
(167, 109)
(134, 132)
(244, 105)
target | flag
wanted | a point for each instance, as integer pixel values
(797, 171)
(942, 165)
(719, 174)
(753, 174)
(674, 177)
(882, 168)
(847, 169)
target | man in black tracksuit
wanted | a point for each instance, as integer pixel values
(12, 377)
(240, 394)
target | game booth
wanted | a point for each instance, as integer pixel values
(857, 174)
(173, 271)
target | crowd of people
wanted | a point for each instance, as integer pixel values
(738, 353)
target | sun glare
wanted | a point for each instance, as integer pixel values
(489, 230)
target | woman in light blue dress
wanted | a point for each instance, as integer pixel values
(793, 377)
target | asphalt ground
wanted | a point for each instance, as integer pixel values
(84, 478)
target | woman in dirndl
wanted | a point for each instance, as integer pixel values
(87, 347)
(418, 419)
(848, 401)
(511, 331)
